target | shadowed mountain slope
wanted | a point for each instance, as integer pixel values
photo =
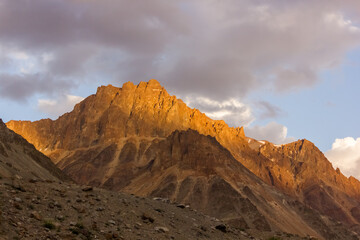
(19, 159)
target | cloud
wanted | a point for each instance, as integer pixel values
(236, 113)
(268, 110)
(233, 112)
(21, 87)
(57, 107)
(272, 132)
(345, 155)
(190, 46)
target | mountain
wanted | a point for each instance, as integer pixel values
(20, 160)
(39, 202)
(136, 139)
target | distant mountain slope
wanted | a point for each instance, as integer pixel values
(117, 126)
(20, 159)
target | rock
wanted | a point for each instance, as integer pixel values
(58, 205)
(87, 189)
(35, 215)
(159, 210)
(112, 222)
(221, 227)
(33, 180)
(161, 229)
(180, 206)
(35, 201)
(147, 218)
(60, 218)
(203, 228)
(16, 185)
(17, 199)
(17, 206)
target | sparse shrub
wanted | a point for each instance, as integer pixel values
(49, 225)
(79, 225)
(275, 238)
(74, 231)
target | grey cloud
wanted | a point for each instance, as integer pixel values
(293, 78)
(216, 49)
(71, 61)
(21, 87)
(268, 110)
(138, 26)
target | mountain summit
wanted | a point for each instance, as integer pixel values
(141, 140)
(144, 110)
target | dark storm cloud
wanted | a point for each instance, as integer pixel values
(216, 49)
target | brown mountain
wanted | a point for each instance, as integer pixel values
(20, 160)
(124, 139)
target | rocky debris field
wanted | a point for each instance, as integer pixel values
(55, 210)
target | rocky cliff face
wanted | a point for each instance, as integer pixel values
(303, 169)
(20, 160)
(114, 137)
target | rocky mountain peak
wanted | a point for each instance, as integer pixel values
(145, 110)
(154, 84)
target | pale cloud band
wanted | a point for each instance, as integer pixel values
(56, 107)
(273, 132)
(232, 111)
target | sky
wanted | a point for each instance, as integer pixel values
(285, 70)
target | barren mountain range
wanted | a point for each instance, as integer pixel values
(38, 201)
(139, 139)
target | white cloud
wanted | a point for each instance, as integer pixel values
(345, 154)
(57, 107)
(18, 55)
(272, 132)
(232, 111)
(236, 113)
(338, 20)
(20, 61)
